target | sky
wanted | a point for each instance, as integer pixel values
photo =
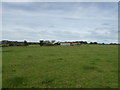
(60, 21)
(60, 0)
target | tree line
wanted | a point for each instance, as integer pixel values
(43, 43)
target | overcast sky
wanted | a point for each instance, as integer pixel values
(60, 21)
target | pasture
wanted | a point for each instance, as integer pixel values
(84, 66)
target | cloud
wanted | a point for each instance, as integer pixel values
(60, 0)
(60, 21)
(106, 24)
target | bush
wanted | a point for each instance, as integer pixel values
(5, 45)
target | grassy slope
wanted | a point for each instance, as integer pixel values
(92, 66)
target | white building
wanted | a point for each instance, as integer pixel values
(65, 44)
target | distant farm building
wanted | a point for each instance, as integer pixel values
(69, 44)
(64, 44)
(73, 44)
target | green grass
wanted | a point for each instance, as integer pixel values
(85, 66)
(0, 67)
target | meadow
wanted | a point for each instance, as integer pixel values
(84, 66)
(0, 68)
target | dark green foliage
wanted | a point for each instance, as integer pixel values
(41, 42)
(25, 43)
(93, 43)
(47, 43)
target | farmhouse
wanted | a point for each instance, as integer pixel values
(69, 43)
(64, 44)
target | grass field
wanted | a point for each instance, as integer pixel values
(0, 68)
(85, 66)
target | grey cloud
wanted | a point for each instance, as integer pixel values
(102, 34)
(106, 24)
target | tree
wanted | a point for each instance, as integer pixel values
(41, 42)
(53, 41)
(93, 43)
(25, 43)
